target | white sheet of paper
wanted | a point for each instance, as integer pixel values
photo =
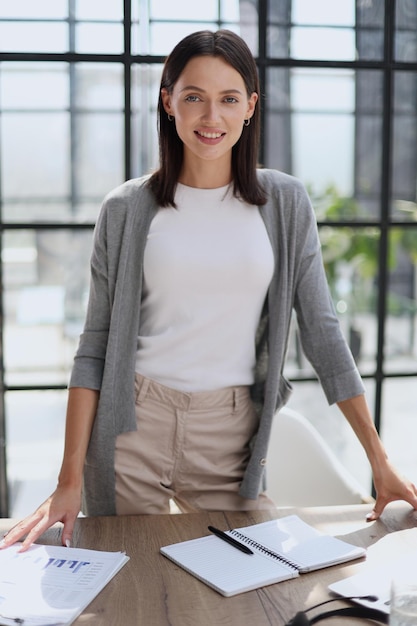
(51, 584)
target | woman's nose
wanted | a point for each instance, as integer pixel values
(211, 112)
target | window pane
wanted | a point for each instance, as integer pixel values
(145, 81)
(229, 10)
(99, 86)
(326, 29)
(404, 161)
(35, 435)
(46, 277)
(33, 37)
(99, 38)
(99, 10)
(184, 10)
(41, 9)
(323, 43)
(350, 258)
(279, 28)
(368, 143)
(370, 22)
(323, 150)
(351, 262)
(399, 424)
(99, 163)
(320, 123)
(322, 12)
(35, 149)
(163, 37)
(310, 39)
(34, 86)
(41, 209)
(406, 31)
(400, 328)
(323, 90)
(312, 131)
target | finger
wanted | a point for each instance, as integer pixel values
(34, 534)
(18, 531)
(67, 531)
(376, 512)
(413, 499)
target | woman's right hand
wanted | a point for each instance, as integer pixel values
(62, 506)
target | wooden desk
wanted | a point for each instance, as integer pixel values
(152, 591)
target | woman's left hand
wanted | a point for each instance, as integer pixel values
(391, 486)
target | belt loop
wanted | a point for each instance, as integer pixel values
(234, 400)
(143, 389)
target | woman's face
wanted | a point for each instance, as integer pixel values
(210, 103)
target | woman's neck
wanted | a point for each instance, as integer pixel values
(205, 175)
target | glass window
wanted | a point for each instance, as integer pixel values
(99, 158)
(406, 31)
(145, 80)
(94, 38)
(350, 258)
(399, 424)
(183, 10)
(401, 301)
(35, 154)
(323, 29)
(40, 10)
(404, 162)
(315, 111)
(34, 36)
(324, 12)
(323, 43)
(35, 429)
(31, 86)
(98, 86)
(99, 10)
(46, 276)
(159, 25)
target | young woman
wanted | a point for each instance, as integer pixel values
(195, 272)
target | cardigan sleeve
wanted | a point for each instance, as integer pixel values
(90, 356)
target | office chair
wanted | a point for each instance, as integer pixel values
(302, 470)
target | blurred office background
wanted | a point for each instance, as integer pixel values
(78, 90)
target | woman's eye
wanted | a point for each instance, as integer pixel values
(192, 99)
(231, 99)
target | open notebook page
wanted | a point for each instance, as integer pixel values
(302, 544)
(224, 568)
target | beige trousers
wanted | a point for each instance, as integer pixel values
(191, 448)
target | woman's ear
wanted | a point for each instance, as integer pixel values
(166, 100)
(252, 104)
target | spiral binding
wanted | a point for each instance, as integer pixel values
(255, 544)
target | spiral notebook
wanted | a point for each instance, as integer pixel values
(282, 549)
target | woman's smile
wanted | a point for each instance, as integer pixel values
(210, 137)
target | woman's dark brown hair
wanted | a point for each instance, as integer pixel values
(232, 49)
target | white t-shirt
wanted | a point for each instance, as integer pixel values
(207, 267)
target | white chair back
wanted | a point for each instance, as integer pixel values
(302, 470)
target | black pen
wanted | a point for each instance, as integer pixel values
(229, 539)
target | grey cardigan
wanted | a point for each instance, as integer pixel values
(105, 359)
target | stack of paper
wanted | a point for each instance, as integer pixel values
(51, 585)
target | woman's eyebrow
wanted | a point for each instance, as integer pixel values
(201, 90)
